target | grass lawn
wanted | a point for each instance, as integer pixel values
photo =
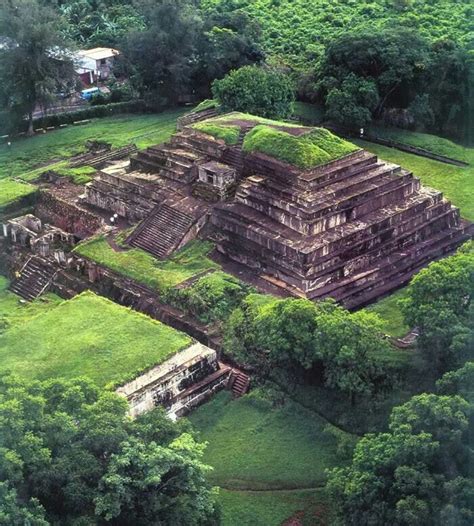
(87, 336)
(456, 183)
(25, 155)
(14, 310)
(144, 268)
(257, 508)
(387, 308)
(432, 143)
(253, 446)
(11, 191)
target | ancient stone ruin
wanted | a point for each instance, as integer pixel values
(292, 209)
(349, 226)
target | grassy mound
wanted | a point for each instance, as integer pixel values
(144, 268)
(87, 336)
(311, 149)
(12, 191)
(229, 134)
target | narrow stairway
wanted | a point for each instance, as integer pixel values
(162, 231)
(239, 383)
(34, 279)
(234, 155)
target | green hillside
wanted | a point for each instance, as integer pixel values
(298, 30)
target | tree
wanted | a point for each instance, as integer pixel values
(230, 40)
(69, 454)
(439, 302)
(256, 90)
(349, 346)
(162, 58)
(397, 477)
(353, 102)
(34, 62)
(320, 338)
(182, 49)
(395, 60)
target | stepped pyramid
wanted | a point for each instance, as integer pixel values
(351, 226)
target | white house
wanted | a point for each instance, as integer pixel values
(95, 64)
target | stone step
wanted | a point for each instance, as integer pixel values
(162, 231)
(35, 277)
(311, 263)
(394, 262)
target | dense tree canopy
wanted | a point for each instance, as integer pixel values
(300, 335)
(416, 474)
(34, 62)
(70, 455)
(180, 52)
(396, 75)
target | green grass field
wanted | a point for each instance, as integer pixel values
(387, 308)
(87, 336)
(269, 462)
(432, 143)
(255, 447)
(456, 183)
(141, 266)
(26, 155)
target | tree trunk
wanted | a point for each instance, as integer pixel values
(30, 131)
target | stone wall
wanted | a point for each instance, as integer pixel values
(67, 216)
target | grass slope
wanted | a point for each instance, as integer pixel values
(253, 446)
(456, 183)
(14, 310)
(257, 508)
(87, 336)
(432, 143)
(144, 268)
(26, 155)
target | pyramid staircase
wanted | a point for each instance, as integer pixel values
(162, 231)
(239, 383)
(35, 278)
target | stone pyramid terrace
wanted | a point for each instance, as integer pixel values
(309, 212)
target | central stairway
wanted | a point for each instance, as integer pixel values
(34, 279)
(162, 231)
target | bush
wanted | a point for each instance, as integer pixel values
(251, 89)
